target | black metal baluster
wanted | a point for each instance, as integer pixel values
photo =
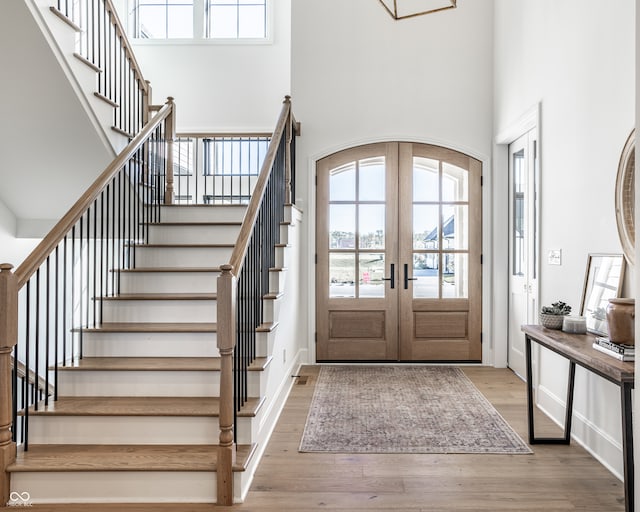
(47, 333)
(37, 334)
(14, 396)
(102, 264)
(25, 386)
(81, 274)
(95, 260)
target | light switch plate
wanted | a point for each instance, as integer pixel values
(555, 257)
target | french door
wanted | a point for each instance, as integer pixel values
(398, 274)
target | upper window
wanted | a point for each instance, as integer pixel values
(199, 19)
(163, 19)
(237, 19)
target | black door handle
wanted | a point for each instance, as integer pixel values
(393, 276)
(406, 276)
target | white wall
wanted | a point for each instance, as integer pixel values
(12, 250)
(359, 76)
(575, 57)
(222, 86)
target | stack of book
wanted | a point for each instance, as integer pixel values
(617, 350)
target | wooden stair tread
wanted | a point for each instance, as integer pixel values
(267, 327)
(188, 246)
(154, 327)
(163, 296)
(178, 205)
(171, 269)
(193, 223)
(155, 364)
(139, 406)
(124, 458)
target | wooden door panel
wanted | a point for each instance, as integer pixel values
(434, 324)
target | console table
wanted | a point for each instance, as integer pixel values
(578, 349)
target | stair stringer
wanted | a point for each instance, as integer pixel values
(286, 352)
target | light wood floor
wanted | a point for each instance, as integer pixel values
(553, 479)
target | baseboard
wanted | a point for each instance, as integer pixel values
(268, 424)
(598, 443)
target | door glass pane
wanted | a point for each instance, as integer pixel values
(455, 227)
(425, 179)
(371, 272)
(425, 271)
(455, 276)
(518, 220)
(425, 226)
(342, 226)
(342, 183)
(371, 184)
(455, 183)
(371, 226)
(342, 275)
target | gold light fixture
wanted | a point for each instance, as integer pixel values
(402, 9)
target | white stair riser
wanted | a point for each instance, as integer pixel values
(202, 213)
(284, 233)
(145, 383)
(189, 234)
(169, 282)
(160, 344)
(167, 311)
(117, 486)
(271, 310)
(282, 259)
(131, 430)
(277, 281)
(182, 256)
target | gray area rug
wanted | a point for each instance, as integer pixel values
(404, 409)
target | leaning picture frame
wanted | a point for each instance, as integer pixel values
(603, 281)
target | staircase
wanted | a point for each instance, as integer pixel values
(136, 418)
(143, 356)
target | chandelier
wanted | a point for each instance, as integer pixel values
(402, 9)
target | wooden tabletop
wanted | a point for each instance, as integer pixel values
(579, 348)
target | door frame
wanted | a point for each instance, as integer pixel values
(529, 120)
(489, 351)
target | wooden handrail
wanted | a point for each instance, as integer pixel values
(126, 45)
(244, 237)
(48, 244)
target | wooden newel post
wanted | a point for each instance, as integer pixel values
(8, 340)
(170, 133)
(226, 337)
(288, 133)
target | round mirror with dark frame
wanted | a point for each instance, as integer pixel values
(625, 197)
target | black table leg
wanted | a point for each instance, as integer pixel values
(566, 439)
(627, 445)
